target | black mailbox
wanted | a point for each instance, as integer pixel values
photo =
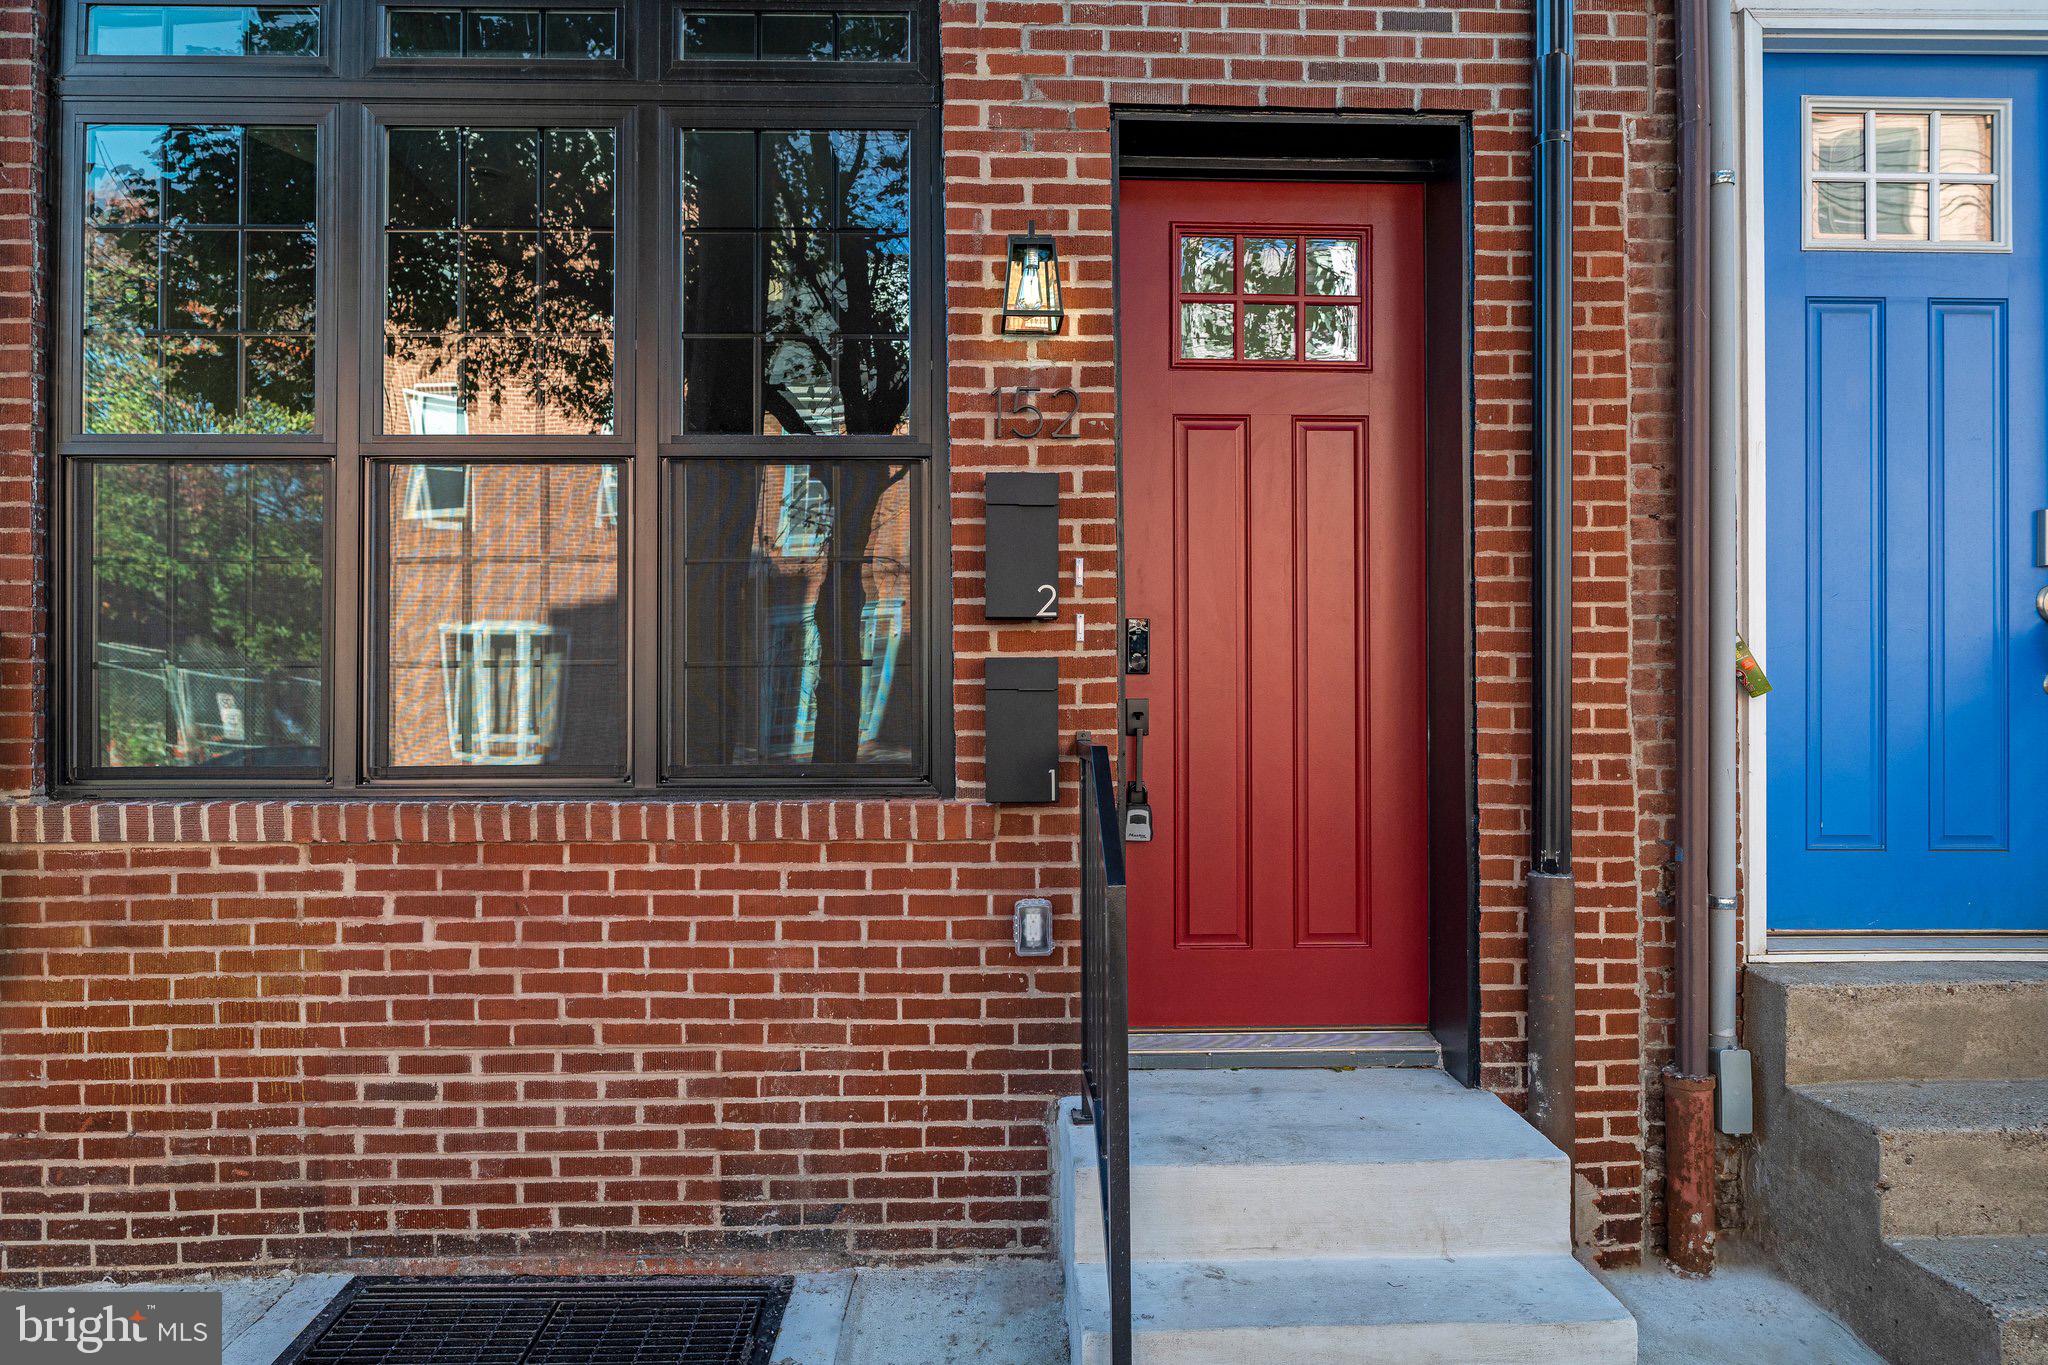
(1023, 579)
(1023, 731)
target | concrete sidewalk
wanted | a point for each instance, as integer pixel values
(1010, 1313)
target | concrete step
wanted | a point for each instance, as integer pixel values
(1901, 1176)
(1810, 1023)
(1239, 1165)
(1971, 1300)
(1482, 1310)
(1953, 1157)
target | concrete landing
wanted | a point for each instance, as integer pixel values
(1295, 1216)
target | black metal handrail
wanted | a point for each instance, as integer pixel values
(1105, 1025)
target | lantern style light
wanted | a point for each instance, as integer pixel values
(1031, 287)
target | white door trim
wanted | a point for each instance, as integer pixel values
(1903, 26)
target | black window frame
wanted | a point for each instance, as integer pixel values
(350, 92)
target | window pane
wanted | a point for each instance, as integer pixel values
(718, 282)
(719, 180)
(1901, 142)
(208, 619)
(713, 37)
(875, 274)
(796, 37)
(830, 295)
(1333, 331)
(1268, 265)
(718, 385)
(124, 174)
(499, 299)
(1838, 142)
(1966, 213)
(426, 32)
(502, 33)
(202, 173)
(1902, 211)
(1269, 331)
(1332, 265)
(874, 180)
(1205, 331)
(874, 376)
(794, 618)
(202, 30)
(874, 37)
(591, 35)
(503, 624)
(1966, 144)
(1838, 210)
(283, 172)
(1206, 266)
(197, 319)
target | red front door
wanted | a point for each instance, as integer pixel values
(1272, 382)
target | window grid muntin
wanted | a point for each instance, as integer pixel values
(79, 729)
(765, 231)
(164, 227)
(84, 30)
(917, 616)
(617, 234)
(1933, 178)
(388, 488)
(837, 16)
(622, 25)
(832, 96)
(1300, 297)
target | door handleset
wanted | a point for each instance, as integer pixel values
(1137, 801)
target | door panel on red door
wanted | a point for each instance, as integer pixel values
(1273, 534)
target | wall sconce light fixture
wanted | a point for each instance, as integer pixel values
(1031, 286)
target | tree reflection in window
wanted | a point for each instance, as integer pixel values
(796, 282)
(208, 594)
(794, 605)
(499, 281)
(199, 279)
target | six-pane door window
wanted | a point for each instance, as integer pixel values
(1924, 177)
(545, 584)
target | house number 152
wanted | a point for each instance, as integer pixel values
(1019, 416)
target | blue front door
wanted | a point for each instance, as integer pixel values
(1905, 457)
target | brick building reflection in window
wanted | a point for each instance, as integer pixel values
(504, 623)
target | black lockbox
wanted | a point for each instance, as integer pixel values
(1023, 579)
(1023, 731)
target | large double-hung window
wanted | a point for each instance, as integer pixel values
(498, 398)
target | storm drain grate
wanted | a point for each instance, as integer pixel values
(667, 1320)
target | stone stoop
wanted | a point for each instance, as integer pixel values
(1900, 1174)
(1285, 1217)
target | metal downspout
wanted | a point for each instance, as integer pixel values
(1731, 1064)
(1689, 1212)
(1550, 925)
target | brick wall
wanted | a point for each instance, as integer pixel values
(1029, 87)
(551, 1036)
(606, 1035)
